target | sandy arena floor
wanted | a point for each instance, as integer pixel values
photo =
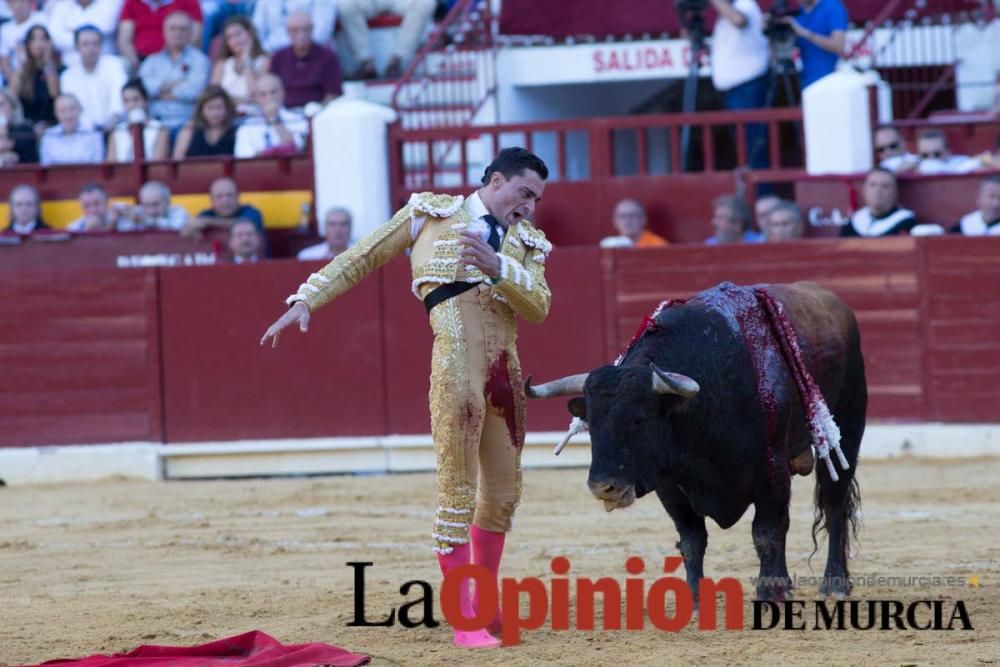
(105, 567)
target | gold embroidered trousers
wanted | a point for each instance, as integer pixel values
(477, 415)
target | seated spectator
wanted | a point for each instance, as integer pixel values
(276, 131)
(68, 16)
(216, 12)
(20, 144)
(763, 207)
(96, 80)
(37, 80)
(141, 26)
(241, 59)
(69, 142)
(175, 77)
(154, 211)
(783, 223)
(226, 210)
(269, 18)
(212, 129)
(337, 231)
(629, 219)
(25, 211)
(890, 150)
(935, 158)
(309, 71)
(155, 139)
(13, 32)
(984, 221)
(244, 242)
(97, 215)
(354, 16)
(731, 222)
(882, 214)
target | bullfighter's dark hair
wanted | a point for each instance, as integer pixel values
(513, 162)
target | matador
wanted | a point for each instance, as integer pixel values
(477, 264)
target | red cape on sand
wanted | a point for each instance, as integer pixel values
(252, 649)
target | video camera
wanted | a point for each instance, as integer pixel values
(692, 16)
(780, 36)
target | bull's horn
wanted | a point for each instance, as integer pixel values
(571, 385)
(673, 383)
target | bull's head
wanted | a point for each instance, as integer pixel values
(627, 410)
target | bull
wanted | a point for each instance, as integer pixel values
(717, 402)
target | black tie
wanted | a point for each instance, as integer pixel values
(494, 239)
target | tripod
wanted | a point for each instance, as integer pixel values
(697, 30)
(782, 74)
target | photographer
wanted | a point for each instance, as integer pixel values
(820, 29)
(740, 60)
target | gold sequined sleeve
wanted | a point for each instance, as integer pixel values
(523, 286)
(348, 268)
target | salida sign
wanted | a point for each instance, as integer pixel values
(673, 58)
(645, 605)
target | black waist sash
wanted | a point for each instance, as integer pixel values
(445, 292)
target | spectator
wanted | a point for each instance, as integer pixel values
(985, 221)
(276, 131)
(354, 16)
(154, 211)
(20, 143)
(175, 77)
(269, 18)
(69, 142)
(740, 67)
(37, 81)
(244, 242)
(882, 214)
(97, 215)
(241, 60)
(155, 140)
(890, 150)
(212, 129)
(337, 231)
(67, 16)
(13, 32)
(763, 207)
(226, 210)
(820, 27)
(96, 80)
(783, 223)
(935, 158)
(308, 71)
(216, 13)
(141, 30)
(25, 211)
(629, 219)
(731, 222)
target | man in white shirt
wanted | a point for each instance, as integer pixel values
(337, 231)
(96, 80)
(984, 221)
(269, 18)
(70, 142)
(936, 158)
(154, 211)
(97, 215)
(68, 16)
(12, 33)
(740, 63)
(882, 215)
(890, 150)
(276, 130)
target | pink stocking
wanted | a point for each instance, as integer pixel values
(460, 555)
(487, 549)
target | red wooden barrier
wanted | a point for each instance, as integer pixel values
(82, 351)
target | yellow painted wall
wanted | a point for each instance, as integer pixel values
(280, 209)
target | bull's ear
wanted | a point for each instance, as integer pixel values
(577, 407)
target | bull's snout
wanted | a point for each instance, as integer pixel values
(614, 493)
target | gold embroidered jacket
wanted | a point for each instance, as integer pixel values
(429, 226)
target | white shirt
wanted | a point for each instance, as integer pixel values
(313, 252)
(255, 135)
(739, 55)
(974, 224)
(953, 164)
(81, 147)
(897, 162)
(99, 92)
(123, 141)
(174, 220)
(67, 15)
(867, 225)
(20, 228)
(269, 18)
